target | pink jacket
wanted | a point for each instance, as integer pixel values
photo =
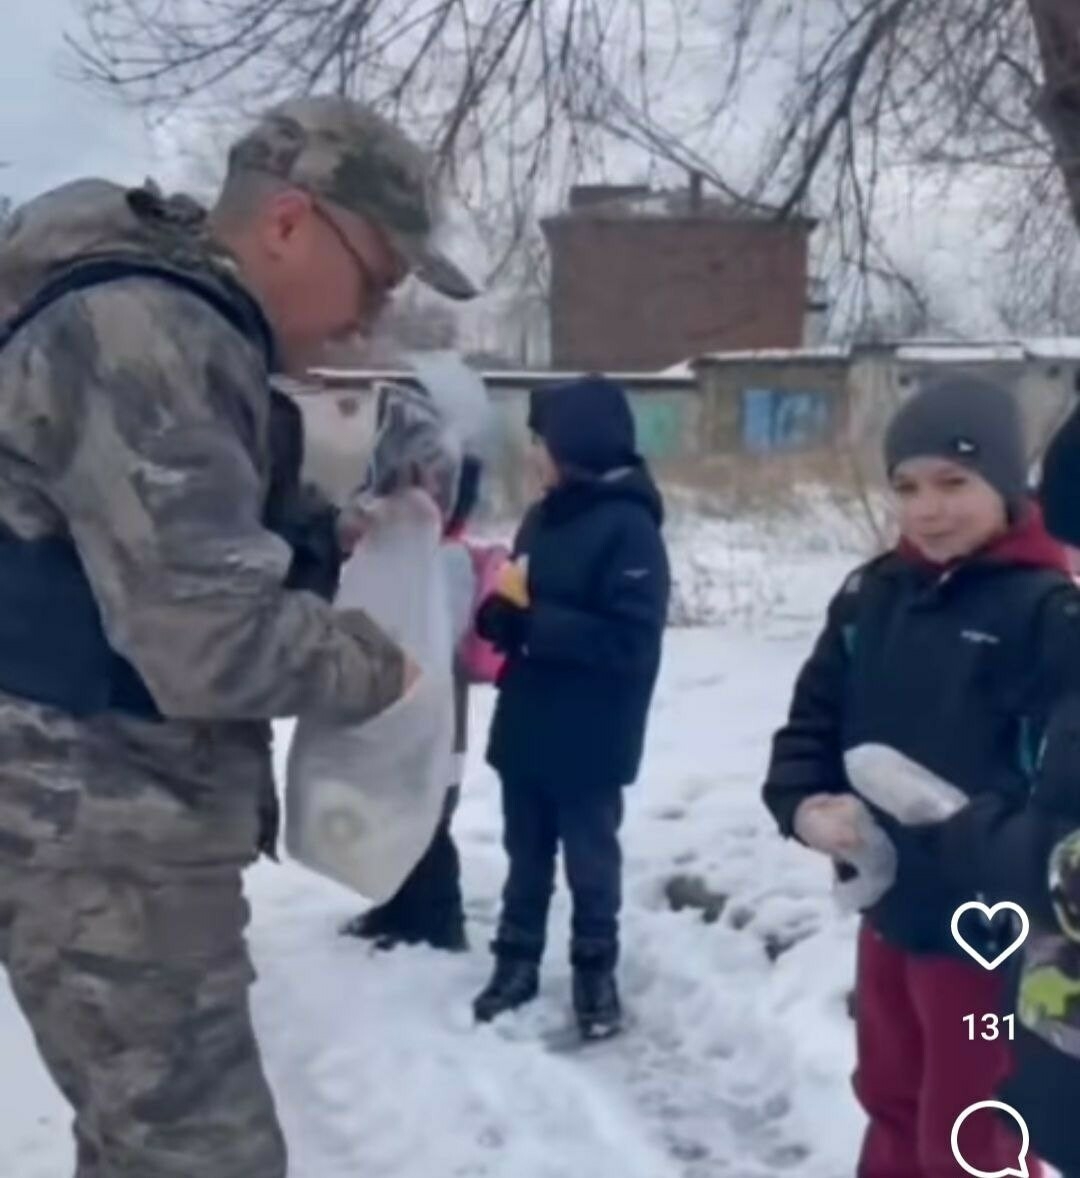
(479, 660)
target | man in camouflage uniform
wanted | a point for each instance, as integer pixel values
(148, 630)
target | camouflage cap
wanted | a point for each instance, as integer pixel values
(348, 154)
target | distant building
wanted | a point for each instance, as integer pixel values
(339, 412)
(774, 402)
(833, 402)
(643, 279)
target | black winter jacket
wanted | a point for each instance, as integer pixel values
(573, 702)
(952, 670)
(1002, 848)
(297, 511)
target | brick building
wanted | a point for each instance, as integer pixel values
(641, 279)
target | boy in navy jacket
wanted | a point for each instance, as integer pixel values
(580, 617)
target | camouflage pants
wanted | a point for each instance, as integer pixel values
(136, 988)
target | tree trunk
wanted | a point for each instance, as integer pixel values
(1057, 28)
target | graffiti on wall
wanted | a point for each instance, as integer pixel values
(784, 419)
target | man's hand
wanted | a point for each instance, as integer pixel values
(829, 823)
(352, 526)
(411, 677)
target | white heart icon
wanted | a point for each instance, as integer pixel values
(990, 913)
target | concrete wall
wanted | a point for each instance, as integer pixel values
(731, 392)
(752, 405)
(340, 425)
(880, 382)
(864, 389)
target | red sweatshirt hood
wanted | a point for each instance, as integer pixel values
(1027, 544)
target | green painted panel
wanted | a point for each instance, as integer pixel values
(661, 425)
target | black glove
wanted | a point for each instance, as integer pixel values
(918, 855)
(311, 530)
(503, 624)
(269, 824)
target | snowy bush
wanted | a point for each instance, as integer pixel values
(742, 568)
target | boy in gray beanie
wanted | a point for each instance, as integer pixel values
(943, 650)
(954, 454)
(967, 421)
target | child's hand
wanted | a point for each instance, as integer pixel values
(829, 823)
(512, 582)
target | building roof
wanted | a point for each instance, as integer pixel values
(1063, 349)
(639, 203)
(914, 351)
(822, 354)
(343, 379)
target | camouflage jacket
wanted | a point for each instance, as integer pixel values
(133, 422)
(1049, 994)
(1038, 850)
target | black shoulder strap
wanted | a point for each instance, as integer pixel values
(234, 305)
(1045, 581)
(1042, 589)
(853, 591)
(1031, 592)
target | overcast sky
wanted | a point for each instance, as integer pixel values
(53, 129)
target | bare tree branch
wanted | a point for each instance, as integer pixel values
(847, 98)
(1057, 30)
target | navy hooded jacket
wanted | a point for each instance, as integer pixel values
(574, 701)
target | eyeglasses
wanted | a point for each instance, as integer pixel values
(381, 285)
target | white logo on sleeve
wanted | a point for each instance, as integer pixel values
(636, 574)
(980, 638)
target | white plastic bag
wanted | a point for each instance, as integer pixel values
(874, 862)
(461, 588)
(906, 790)
(461, 397)
(895, 783)
(363, 800)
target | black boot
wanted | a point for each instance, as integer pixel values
(596, 1002)
(374, 924)
(388, 931)
(515, 981)
(448, 935)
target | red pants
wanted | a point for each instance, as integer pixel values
(917, 1069)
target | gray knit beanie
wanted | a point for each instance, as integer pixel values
(968, 421)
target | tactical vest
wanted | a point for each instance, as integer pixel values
(53, 647)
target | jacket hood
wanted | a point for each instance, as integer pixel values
(1026, 544)
(1059, 490)
(585, 424)
(96, 218)
(636, 483)
(633, 483)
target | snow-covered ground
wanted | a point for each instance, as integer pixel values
(734, 1066)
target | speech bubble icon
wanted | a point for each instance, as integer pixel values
(1021, 1170)
(990, 913)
